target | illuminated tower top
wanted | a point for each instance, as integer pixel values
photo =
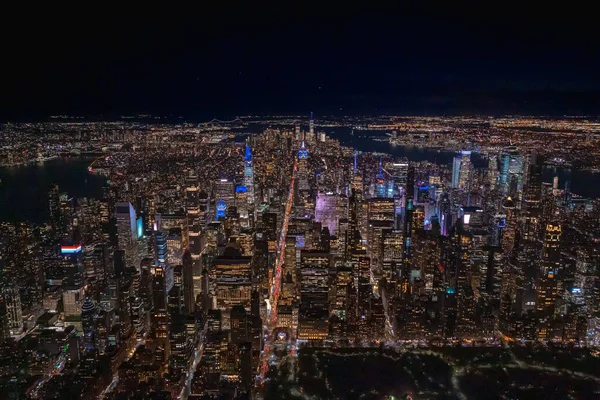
(303, 152)
(311, 124)
(248, 156)
(221, 207)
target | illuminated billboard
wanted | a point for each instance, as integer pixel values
(70, 249)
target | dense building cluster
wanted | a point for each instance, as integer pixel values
(205, 258)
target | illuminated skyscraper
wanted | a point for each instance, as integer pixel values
(314, 300)
(233, 276)
(159, 317)
(462, 170)
(550, 284)
(221, 208)
(511, 175)
(380, 185)
(127, 233)
(88, 323)
(249, 175)
(551, 269)
(189, 287)
(225, 190)
(12, 302)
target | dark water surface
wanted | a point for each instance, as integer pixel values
(24, 189)
(583, 183)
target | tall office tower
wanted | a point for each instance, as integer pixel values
(586, 281)
(4, 321)
(54, 207)
(311, 125)
(179, 344)
(510, 228)
(344, 279)
(123, 308)
(303, 188)
(380, 185)
(511, 174)
(12, 303)
(393, 242)
(221, 210)
(298, 135)
(189, 284)
(88, 324)
(356, 182)
(551, 281)
(381, 217)
(407, 249)
(462, 171)
(225, 191)
(161, 253)
(249, 175)
(531, 206)
(313, 314)
(242, 205)
(137, 311)
(174, 246)
(240, 325)
(269, 223)
(353, 240)
(288, 278)
(326, 211)
(127, 233)
(176, 294)
(399, 173)
(233, 275)
(197, 213)
(159, 318)
(492, 170)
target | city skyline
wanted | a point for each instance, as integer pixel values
(251, 202)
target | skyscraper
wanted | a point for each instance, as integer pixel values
(314, 301)
(462, 170)
(127, 233)
(249, 175)
(12, 302)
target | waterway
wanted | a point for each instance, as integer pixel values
(583, 183)
(24, 189)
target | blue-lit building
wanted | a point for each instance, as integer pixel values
(303, 152)
(221, 208)
(381, 189)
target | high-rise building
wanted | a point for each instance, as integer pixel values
(127, 233)
(462, 171)
(233, 275)
(511, 174)
(189, 287)
(88, 323)
(314, 301)
(249, 175)
(12, 304)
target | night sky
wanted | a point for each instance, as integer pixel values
(227, 62)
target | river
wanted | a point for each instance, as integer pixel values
(24, 189)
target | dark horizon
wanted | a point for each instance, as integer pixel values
(225, 63)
